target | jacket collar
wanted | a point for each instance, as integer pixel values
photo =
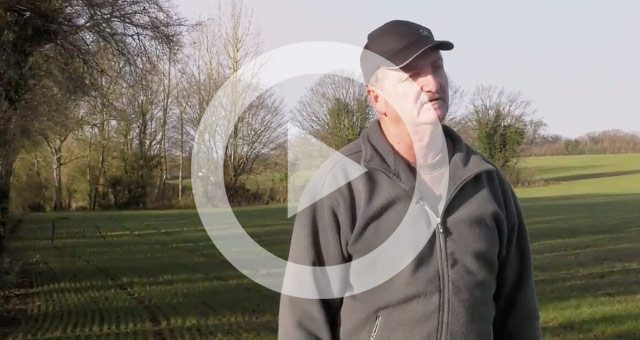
(377, 153)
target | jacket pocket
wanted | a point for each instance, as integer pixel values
(412, 319)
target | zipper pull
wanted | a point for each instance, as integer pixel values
(439, 224)
(375, 327)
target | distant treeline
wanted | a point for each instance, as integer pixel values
(604, 142)
(99, 118)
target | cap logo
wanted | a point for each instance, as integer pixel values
(424, 32)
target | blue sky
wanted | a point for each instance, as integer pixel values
(576, 60)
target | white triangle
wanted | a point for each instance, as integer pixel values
(314, 170)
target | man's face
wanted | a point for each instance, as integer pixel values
(419, 91)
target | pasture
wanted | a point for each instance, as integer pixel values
(157, 275)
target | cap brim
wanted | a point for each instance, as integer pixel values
(414, 50)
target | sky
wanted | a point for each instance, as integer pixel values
(577, 61)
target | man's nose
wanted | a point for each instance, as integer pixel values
(429, 83)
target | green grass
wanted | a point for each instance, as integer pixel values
(585, 175)
(156, 274)
(129, 275)
(585, 235)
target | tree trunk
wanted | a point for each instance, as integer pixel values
(164, 167)
(58, 204)
(99, 177)
(41, 178)
(180, 173)
(89, 179)
(162, 179)
(69, 198)
(8, 155)
(181, 155)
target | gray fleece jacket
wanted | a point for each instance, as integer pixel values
(472, 280)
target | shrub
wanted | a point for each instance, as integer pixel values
(36, 207)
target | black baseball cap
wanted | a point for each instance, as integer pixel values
(395, 43)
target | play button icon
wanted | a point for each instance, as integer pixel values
(314, 170)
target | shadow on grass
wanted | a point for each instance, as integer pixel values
(544, 170)
(580, 216)
(603, 283)
(601, 328)
(583, 248)
(586, 249)
(579, 177)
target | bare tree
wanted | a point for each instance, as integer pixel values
(333, 109)
(500, 123)
(198, 78)
(55, 136)
(199, 75)
(63, 32)
(259, 128)
(145, 120)
(166, 106)
(219, 48)
(98, 132)
(457, 97)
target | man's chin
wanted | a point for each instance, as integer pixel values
(427, 115)
(441, 114)
(436, 112)
(429, 118)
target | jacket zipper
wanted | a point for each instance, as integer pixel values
(443, 267)
(442, 270)
(443, 262)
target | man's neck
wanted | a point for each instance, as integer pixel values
(429, 145)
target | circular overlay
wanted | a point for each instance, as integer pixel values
(314, 282)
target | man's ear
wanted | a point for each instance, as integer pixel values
(376, 101)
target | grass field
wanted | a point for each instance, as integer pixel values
(156, 274)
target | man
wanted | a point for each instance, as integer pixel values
(473, 279)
